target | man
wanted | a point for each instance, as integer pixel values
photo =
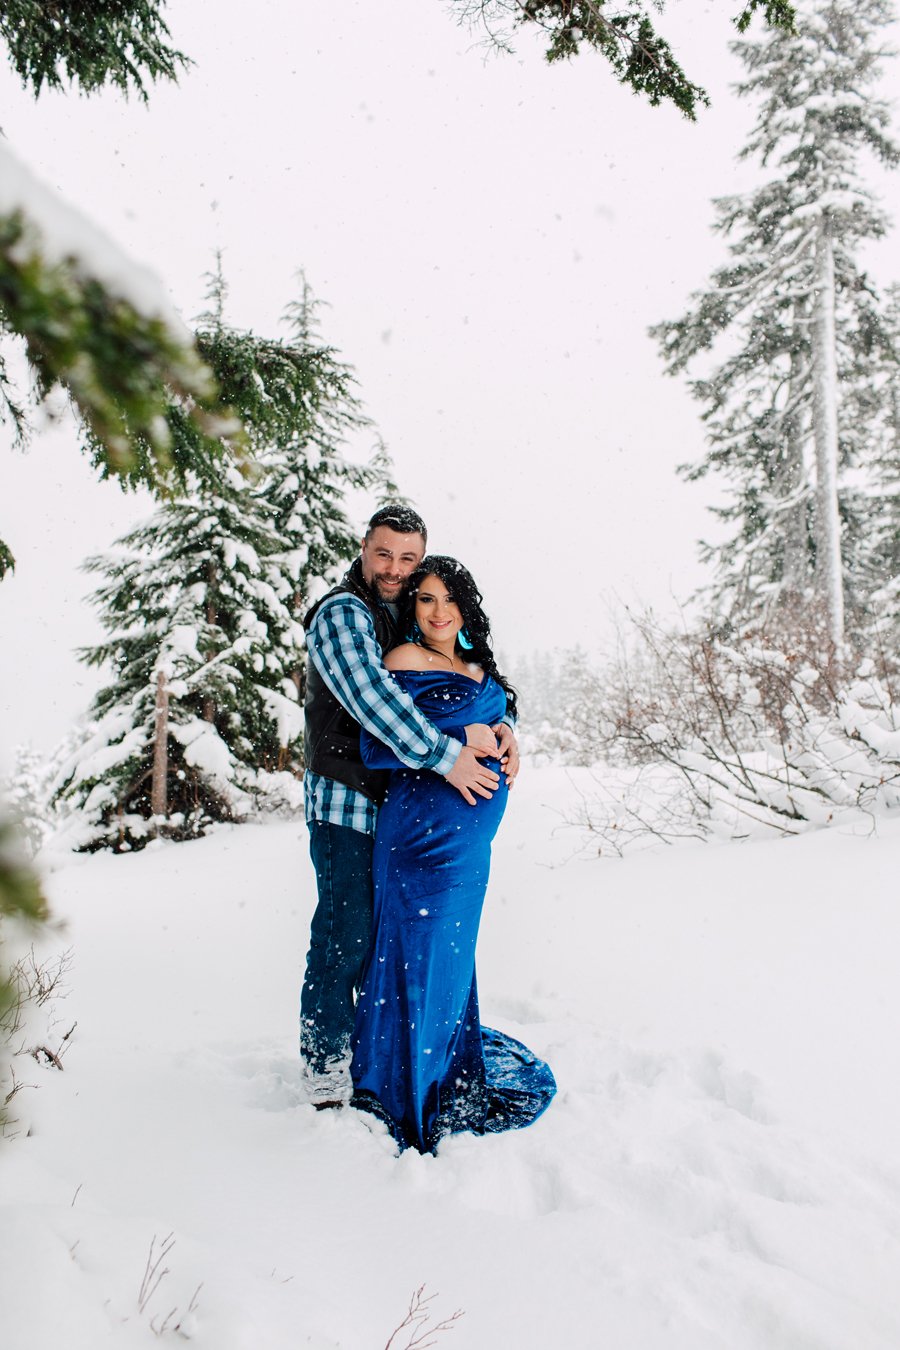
(348, 632)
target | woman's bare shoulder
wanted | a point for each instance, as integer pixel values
(408, 657)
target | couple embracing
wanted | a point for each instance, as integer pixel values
(410, 753)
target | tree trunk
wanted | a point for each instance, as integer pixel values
(829, 578)
(159, 783)
(791, 485)
(209, 703)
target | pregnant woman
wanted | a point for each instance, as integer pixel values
(422, 1062)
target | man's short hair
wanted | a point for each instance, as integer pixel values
(402, 519)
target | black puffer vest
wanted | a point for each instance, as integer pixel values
(332, 734)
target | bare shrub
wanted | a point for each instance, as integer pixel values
(419, 1324)
(770, 729)
(32, 985)
(175, 1322)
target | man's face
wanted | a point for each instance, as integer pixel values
(388, 558)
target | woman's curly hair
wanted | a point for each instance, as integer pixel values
(461, 585)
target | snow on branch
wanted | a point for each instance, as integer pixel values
(66, 236)
(102, 326)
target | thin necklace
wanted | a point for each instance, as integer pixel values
(434, 652)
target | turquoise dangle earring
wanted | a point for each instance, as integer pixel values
(416, 634)
(464, 640)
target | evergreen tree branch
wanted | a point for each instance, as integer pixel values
(89, 43)
(11, 408)
(120, 367)
(777, 14)
(624, 34)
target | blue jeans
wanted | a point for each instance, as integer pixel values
(339, 942)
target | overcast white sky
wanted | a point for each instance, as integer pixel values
(492, 236)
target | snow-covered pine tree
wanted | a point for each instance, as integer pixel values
(202, 641)
(202, 604)
(792, 324)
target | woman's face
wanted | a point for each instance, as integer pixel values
(437, 613)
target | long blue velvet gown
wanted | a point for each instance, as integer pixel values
(422, 1062)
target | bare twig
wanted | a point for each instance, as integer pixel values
(15, 1087)
(154, 1271)
(771, 727)
(419, 1324)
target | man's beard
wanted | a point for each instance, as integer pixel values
(382, 587)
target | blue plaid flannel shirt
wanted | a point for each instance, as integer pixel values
(342, 643)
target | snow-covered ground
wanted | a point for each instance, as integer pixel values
(720, 1169)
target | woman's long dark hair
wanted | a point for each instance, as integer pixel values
(461, 585)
